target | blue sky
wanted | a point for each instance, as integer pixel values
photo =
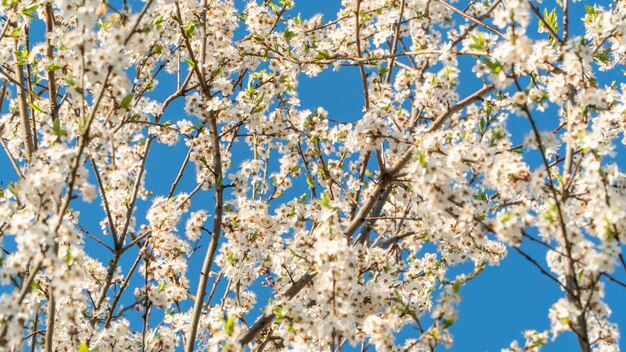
(497, 306)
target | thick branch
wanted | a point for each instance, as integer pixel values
(215, 235)
(25, 126)
(375, 197)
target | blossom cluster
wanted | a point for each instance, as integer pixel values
(287, 228)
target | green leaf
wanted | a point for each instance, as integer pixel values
(422, 158)
(590, 10)
(325, 201)
(505, 218)
(36, 107)
(21, 54)
(190, 62)
(289, 34)
(382, 70)
(496, 67)
(478, 42)
(259, 99)
(482, 195)
(364, 16)
(482, 125)
(191, 27)
(603, 57)
(229, 326)
(456, 286)
(278, 312)
(127, 100)
(447, 323)
(322, 55)
(559, 178)
(68, 255)
(71, 82)
(53, 67)
(550, 214)
(310, 181)
(157, 21)
(162, 286)
(229, 256)
(257, 103)
(56, 128)
(551, 18)
(12, 188)
(16, 32)
(29, 10)
(274, 7)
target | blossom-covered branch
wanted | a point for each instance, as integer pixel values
(485, 127)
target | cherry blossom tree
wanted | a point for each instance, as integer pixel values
(319, 233)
